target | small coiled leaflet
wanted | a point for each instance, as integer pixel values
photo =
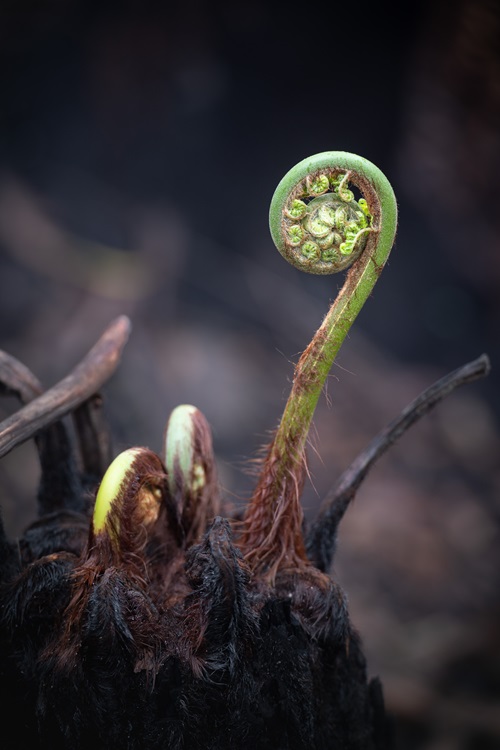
(313, 205)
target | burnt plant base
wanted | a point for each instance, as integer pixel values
(165, 637)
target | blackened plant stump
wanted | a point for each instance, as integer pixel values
(147, 618)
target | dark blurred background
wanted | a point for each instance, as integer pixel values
(140, 145)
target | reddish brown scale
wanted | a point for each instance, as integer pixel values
(220, 621)
(272, 537)
(140, 516)
(305, 375)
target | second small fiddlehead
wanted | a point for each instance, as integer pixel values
(317, 225)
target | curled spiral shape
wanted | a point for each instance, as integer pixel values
(316, 221)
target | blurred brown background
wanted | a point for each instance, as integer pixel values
(140, 145)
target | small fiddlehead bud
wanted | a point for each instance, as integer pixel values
(129, 500)
(317, 225)
(191, 469)
(131, 521)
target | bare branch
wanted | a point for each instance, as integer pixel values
(84, 381)
(323, 533)
(59, 485)
(17, 380)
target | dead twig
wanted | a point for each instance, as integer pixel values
(17, 380)
(82, 383)
(323, 533)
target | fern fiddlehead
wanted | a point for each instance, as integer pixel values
(319, 227)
